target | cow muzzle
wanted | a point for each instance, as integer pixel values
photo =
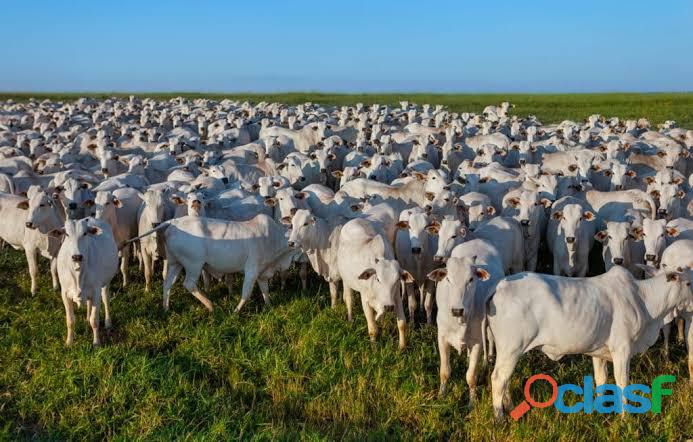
(650, 258)
(416, 250)
(29, 225)
(72, 206)
(618, 261)
(439, 259)
(570, 240)
(77, 258)
(291, 244)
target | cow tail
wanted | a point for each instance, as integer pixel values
(154, 230)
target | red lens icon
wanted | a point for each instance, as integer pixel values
(529, 401)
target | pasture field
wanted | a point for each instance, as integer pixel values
(298, 369)
(549, 108)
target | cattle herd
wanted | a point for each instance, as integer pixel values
(449, 214)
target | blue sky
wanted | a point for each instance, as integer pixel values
(353, 46)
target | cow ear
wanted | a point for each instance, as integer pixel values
(420, 176)
(680, 194)
(367, 274)
(631, 174)
(601, 236)
(57, 233)
(313, 156)
(365, 163)
(270, 202)
(654, 194)
(94, 230)
(276, 184)
(636, 233)
(301, 195)
(255, 186)
(672, 231)
(88, 203)
(407, 277)
(490, 210)
(557, 215)
(678, 180)
(178, 200)
(588, 216)
(661, 154)
(180, 161)
(433, 228)
(673, 276)
(117, 202)
(286, 220)
(437, 275)
(649, 180)
(463, 232)
(482, 274)
(24, 205)
(337, 173)
(546, 202)
(430, 196)
(281, 166)
(84, 185)
(332, 157)
(403, 225)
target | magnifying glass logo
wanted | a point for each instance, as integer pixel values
(529, 402)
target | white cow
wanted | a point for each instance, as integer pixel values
(87, 261)
(366, 263)
(465, 285)
(610, 317)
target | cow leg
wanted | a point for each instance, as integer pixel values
(69, 319)
(89, 304)
(333, 294)
(445, 370)
(30, 254)
(601, 373)
(680, 326)
(148, 270)
(622, 370)
(401, 322)
(106, 299)
(411, 301)
(190, 283)
(164, 273)
(228, 279)
(54, 274)
(370, 318)
(206, 279)
(248, 284)
(124, 261)
(94, 317)
(500, 379)
(348, 300)
(491, 343)
(666, 331)
(303, 274)
(689, 344)
(471, 372)
(428, 302)
(173, 269)
(264, 289)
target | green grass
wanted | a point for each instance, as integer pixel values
(549, 108)
(296, 370)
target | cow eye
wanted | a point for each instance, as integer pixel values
(42, 205)
(471, 279)
(453, 236)
(305, 224)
